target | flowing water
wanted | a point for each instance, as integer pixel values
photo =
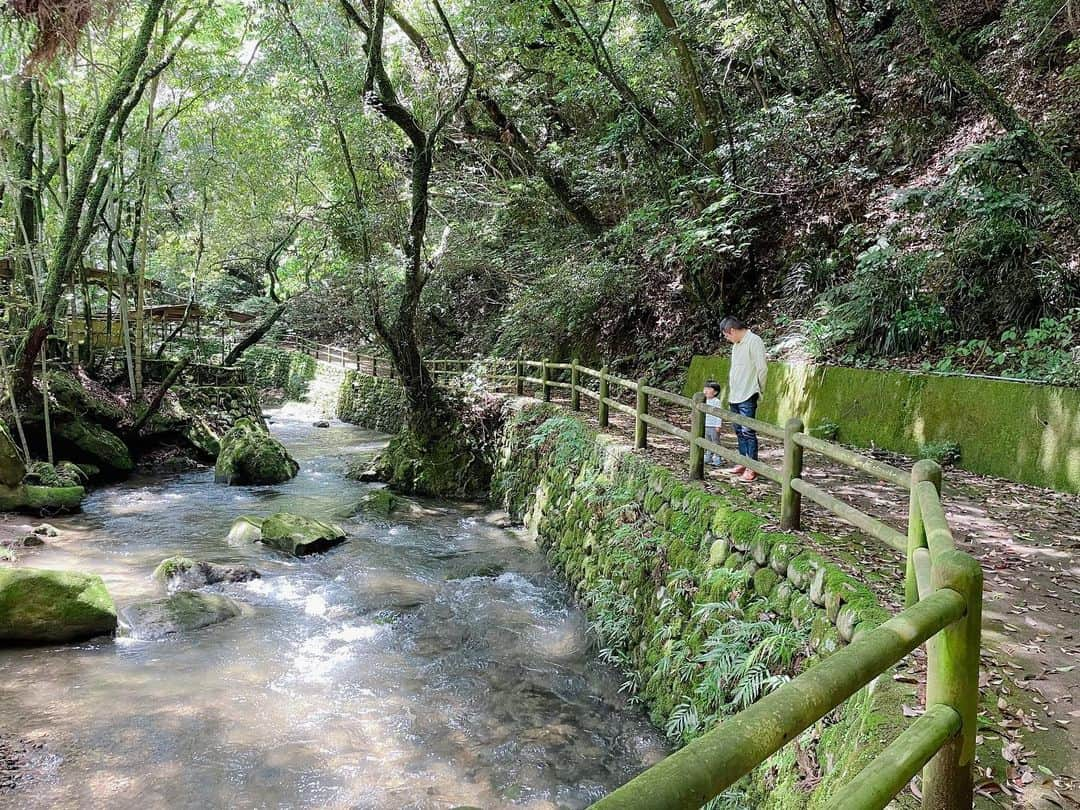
(431, 661)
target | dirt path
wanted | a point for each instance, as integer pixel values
(1028, 542)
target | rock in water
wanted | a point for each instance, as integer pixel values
(180, 613)
(298, 535)
(322, 423)
(39, 606)
(185, 574)
(250, 455)
(379, 501)
(245, 529)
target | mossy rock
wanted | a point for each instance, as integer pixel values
(801, 569)
(40, 606)
(299, 535)
(185, 574)
(96, 444)
(250, 455)
(245, 529)
(765, 580)
(35, 499)
(443, 466)
(719, 551)
(182, 612)
(762, 545)
(782, 553)
(780, 598)
(379, 502)
(12, 466)
(743, 529)
(802, 610)
(735, 561)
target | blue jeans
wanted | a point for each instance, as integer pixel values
(747, 437)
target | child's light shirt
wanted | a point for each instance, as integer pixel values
(712, 421)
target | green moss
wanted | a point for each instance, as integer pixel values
(40, 607)
(250, 455)
(96, 444)
(372, 402)
(268, 367)
(743, 528)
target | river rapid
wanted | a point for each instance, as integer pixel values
(433, 660)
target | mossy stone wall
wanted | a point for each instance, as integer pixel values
(268, 367)
(372, 402)
(663, 568)
(1018, 431)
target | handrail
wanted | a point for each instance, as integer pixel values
(716, 760)
(943, 597)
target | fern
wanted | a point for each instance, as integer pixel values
(683, 721)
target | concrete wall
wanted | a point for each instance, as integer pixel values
(1018, 431)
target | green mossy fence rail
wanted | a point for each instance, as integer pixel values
(943, 598)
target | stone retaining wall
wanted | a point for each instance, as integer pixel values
(665, 570)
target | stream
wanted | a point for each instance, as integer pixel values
(433, 660)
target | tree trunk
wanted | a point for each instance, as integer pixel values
(24, 238)
(1036, 150)
(509, 133)
(254, 336)
(159, 395)
(703, 112)
(69, 245)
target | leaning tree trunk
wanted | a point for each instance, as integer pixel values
(1037, 152)
(254, 336)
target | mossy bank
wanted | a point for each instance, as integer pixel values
(698, 601)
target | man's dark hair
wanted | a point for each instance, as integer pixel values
(731, 322)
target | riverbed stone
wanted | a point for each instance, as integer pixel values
(185, 574)
(39, 606)
(250, 455)
(299, 535)
(45, 530)
(245, 529)
(378, 501)
(182, 612)
(29, 498)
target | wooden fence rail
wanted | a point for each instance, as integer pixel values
(943, 598)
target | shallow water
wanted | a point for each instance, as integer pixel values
(377, 675)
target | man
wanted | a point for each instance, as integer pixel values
(746, 381)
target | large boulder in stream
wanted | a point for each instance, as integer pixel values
(250, 455)
(100, 446)
(12, 467)
(18, 496)
(39, 606)
(299, 535)
(185, 574)
(182, 612)
(245, 529)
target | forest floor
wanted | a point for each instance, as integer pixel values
(1028, 542)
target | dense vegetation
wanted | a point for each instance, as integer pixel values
(871, 182)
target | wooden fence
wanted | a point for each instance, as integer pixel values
(943, 604)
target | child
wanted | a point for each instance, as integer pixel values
(712, 423)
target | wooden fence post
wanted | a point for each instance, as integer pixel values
(519, 373)
(545, 376)
(374, 366)
(641, 430)
(952, 678)
(575, 395)
(790, 500)
(602, 406)
(924, 470)
(697, 431)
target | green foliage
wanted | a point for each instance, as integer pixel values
(271, 368)
(945, 453)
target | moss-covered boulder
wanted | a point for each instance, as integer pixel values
(379, 502)
(183, 612)
(40, 606)
(96, 444)
(12, 467)
(245, 529)
(250, 455)
(299, 535)
(27, 498)
(185, 574)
